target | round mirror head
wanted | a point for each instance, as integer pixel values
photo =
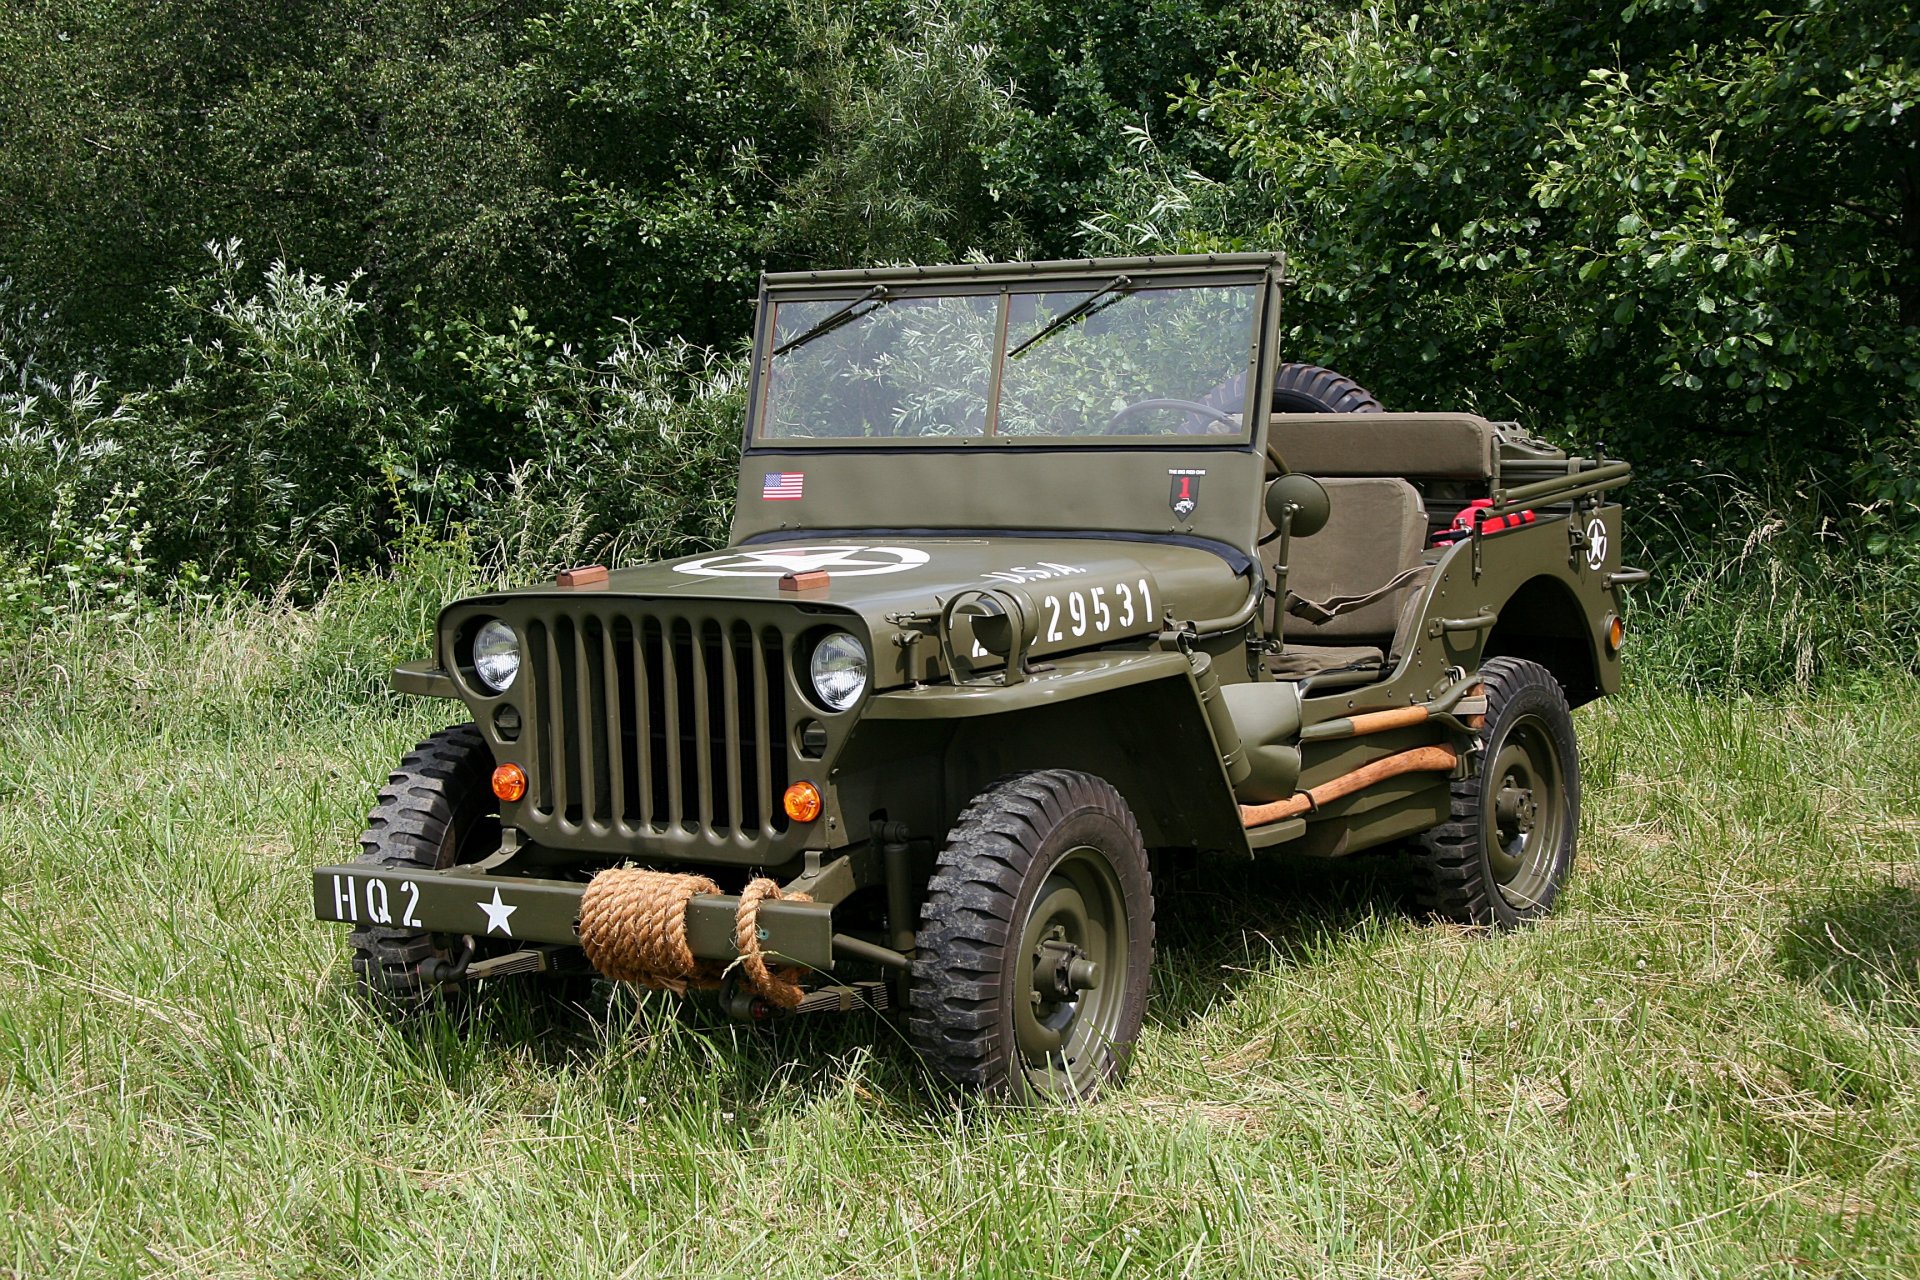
(1307, 497)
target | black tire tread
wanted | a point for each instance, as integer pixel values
(1450, 879)
(408, 829)
(1310, 388)
(967, 917)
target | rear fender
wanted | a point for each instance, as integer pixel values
(1543, 621)
(1550, 602)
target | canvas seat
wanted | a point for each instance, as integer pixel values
(1303, 660)
(1456, 446)
(1377, 530)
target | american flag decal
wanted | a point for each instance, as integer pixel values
(783, 486)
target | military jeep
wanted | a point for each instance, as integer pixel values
(1043, 578)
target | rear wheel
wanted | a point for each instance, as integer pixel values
(1508, 843)
(1035, 941)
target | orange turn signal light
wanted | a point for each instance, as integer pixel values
(509, 782)
(802, 802)
(1616, 633)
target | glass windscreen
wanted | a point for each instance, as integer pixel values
(1109, 360)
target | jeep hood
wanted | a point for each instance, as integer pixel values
(1086, 591)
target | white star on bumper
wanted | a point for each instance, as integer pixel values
(497, 913)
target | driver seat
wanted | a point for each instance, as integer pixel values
(1376, 532)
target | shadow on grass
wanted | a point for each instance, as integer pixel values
(1861, 950)
(1228, 920)
(1221, 922)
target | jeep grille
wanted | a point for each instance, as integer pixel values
(658, 724)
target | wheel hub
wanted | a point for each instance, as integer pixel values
(1527, 811)
(1073, 942)
(1515, 807)
(1061, 970)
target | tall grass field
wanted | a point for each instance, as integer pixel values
(1707, 1063)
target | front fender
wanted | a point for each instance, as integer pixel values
(1133, 718)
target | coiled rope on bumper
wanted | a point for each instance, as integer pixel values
(633, 927)
(778, 985)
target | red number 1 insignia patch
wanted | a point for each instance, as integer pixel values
(1185, 492)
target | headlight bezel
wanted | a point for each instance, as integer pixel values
(513, 653)
(845, 648)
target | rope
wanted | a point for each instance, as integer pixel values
(778, 986)
(633, 927)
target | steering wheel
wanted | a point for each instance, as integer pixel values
(1184, 406)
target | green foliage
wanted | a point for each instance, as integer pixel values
(355, 137)
(669, 127)
(1772, 594)
(1689, 232)
(518, 243)
(264, 454)
(628, 457)
(908, 128)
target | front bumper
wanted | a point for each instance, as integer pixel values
(524, 910)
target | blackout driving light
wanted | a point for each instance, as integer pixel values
(839, 671)
(496, 655)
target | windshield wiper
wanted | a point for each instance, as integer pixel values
(877, 295)
(1078, 311)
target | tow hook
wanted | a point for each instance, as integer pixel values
(738, 1002)
(438, 969)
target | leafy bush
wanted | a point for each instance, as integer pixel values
(908, 134)
(518, 251)
(265, 456)
(631, 456)
(68, 539)
(1681, 232)
(1771, 594)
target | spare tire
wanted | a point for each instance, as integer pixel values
(1308, 388)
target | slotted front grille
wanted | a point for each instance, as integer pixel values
(657, 724)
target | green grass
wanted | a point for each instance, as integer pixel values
(1706, 1064)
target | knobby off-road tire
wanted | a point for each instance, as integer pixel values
(1043, 874)
(1507, 846)
(1308, 388)
(436, 811)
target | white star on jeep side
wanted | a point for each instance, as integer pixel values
(497, 913)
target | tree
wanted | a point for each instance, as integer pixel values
(1687, 229)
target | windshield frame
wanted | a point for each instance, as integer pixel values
(1261, 272)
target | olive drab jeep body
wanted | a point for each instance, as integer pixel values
(1034, 569)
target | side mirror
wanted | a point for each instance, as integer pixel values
(1305, 497)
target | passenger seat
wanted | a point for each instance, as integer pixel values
(1377, 530)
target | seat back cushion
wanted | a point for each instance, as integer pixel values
(1377, 528)
(1455, 446)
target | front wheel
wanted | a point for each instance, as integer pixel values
(1507, 846)
(436, 811)
(1035, 941)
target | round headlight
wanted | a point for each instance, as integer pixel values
(496, 655)
(839, 671)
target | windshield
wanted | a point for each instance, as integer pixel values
(1109, 359)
